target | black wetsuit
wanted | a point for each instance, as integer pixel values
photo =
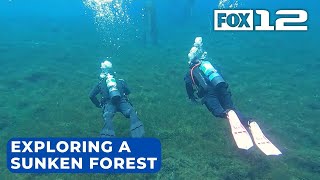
(216, 98)
(110, 108)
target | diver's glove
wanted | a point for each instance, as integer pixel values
(194, 101)
(96, 102)
(100, 105)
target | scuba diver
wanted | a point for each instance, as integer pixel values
(114, 98)
(204, 82)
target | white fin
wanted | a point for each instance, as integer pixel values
(239, 132)
(262, 142)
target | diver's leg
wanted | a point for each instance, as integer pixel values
(136, 127)
(214, 106)
(226, 102)
(224, 96)
(109, 111)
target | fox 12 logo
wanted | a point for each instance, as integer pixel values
(259, 20)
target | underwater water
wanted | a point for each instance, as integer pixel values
(50, 55)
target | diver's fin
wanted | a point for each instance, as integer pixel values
(106, 133)
(240, 134)
(261, 141)
(137, 130)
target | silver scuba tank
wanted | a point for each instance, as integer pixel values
(211, 73)
(112, 87)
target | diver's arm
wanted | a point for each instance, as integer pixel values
(93, 95)
(190, 92)
(189, 88)
(126, 90)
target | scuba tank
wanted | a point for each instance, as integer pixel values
(204, 68)
(211, 73)
(114, 93)
(197, 74)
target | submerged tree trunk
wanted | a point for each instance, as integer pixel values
(151, 31)
(190, 7)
